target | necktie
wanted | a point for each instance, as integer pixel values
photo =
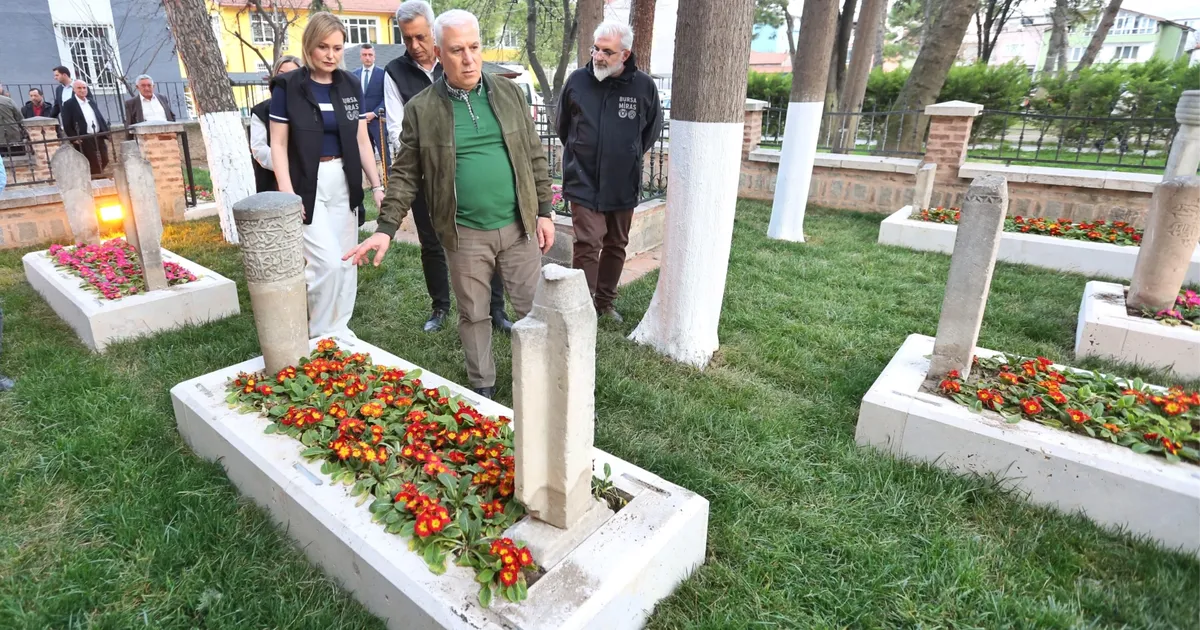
(366, 79)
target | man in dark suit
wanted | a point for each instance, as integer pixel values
(147, 106)
(81, 118)
(62, 91)
(37, 105)
(371, 79)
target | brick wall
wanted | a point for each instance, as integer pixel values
(32, 216)
(160, 144)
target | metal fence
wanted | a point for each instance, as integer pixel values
(900, 133)
(178, 93)
(1110, 141)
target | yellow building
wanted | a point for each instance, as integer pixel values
(247, 47)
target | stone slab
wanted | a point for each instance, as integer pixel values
(646, 231)
(1106, 330)
(953, 108)
(100, 322)
(1054, 176)
(1111, 485)
(1060, 254)
(612, 579)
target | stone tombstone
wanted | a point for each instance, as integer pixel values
(976, 245)
(1184, 158)
(554, 380)
(121, 181)
(73, 176)
(1172, 229)
(271, 229)
(923, 189)
(143, 213)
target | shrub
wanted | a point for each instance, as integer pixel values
(773, 88)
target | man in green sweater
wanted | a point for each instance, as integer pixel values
(468, 141)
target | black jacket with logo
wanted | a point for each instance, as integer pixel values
(606, 127)
(306, 130)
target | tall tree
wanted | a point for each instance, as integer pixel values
(990, 18)
(818, 28)
(1093, 48)
(641, 17)
(590, 15)
(275, 19)
(774, 13)
(551, 90)
(877, 60)
(855, 89)
(1057, 48)
(707, 122)
(933, 64)
(220, 122)
(837, 62)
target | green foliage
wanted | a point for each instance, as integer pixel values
(770, 12)
(773, 88)
(883, 88)
(1103, 89)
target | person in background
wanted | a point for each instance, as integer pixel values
(63, 91)
(468, 141)
(260, 138)
(147, 106)
(407, 75)
(608, 117)
(12, 133)
(320, 151)
(81, 117)
(37, 105)
(371, 80)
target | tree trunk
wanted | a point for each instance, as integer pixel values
(837, 61)
(818, 28)
(996, 14)
(707, 123)
(550, 88)
(860, 68)
(642, 19)
(930, 69)
(220, 122)
(1058, 37)
(589, 14)
(877, 62)
(791, 26)
(1106, 22)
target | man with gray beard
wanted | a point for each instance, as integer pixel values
(608, 117)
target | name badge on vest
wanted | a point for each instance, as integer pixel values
(350, 104)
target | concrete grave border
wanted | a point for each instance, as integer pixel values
(99, 322)
(1109, 484)
(612, 579)
(1106, 330)
(1049, 252)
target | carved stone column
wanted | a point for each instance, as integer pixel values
(271, 230)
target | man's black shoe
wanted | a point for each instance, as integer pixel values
(486, 392)
(500, 322)
(6, 384)
(436, 320)
(612, 314)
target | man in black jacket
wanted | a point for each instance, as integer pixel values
(81, 117)
(406, 76)
(37, 105)
(608, 117)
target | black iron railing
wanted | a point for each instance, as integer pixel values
(899, 133)
(1123, 141)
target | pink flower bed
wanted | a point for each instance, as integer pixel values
(112, 268)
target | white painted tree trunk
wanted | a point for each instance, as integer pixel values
(229, 165)
(704, 169)
(795, 171)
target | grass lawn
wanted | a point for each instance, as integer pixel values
(107, 520)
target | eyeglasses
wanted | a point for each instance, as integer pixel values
(606, 53)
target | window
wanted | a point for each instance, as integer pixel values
(216, 27)
(508, 39)
(1075, 53)
(1026, 21)
(397, 36)
(1126, 52)
(261, 33)
(92, 53)
(1133, 24)
(361, 30)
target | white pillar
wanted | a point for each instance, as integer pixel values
(795, 171)
(229, 163)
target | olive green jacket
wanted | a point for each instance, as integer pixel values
(426, 160)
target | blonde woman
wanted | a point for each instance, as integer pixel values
(260, 138)
(320, 150)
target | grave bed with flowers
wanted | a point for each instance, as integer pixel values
(1098, 248)
(99, 291)
(1169, 339)
(400, 485)
(1121, 452)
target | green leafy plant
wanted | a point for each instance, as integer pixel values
(1130, 414)
(605, 490)
(434, 469)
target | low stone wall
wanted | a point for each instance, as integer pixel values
(884, 184)
(645, 232)
(35, 215)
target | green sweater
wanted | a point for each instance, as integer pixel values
(483, 176)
